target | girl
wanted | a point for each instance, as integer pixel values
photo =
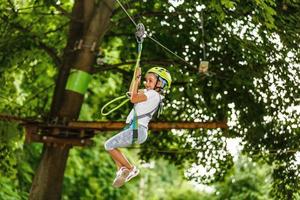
(146, 103)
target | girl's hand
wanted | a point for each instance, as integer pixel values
(141, 91)
(138, 74)
(138, 97)
(133, 89)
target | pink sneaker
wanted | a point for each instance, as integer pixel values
(121, 176)
(133, 173)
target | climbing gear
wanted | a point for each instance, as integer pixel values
(140, 30)
(153, 39)
(163, 74)
(78, 81)
(115, 108)
(133, 124)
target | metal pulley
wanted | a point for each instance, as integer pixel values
(140, 32)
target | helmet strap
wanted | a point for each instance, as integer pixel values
(156, 87)
(158, 78)
(164, 83)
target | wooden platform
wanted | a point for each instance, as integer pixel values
(79, 133)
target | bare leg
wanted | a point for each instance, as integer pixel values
(125, 159)
(118, 164)
(120, 158)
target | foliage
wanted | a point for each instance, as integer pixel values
(247, 180)
(90, 173)
(15, 174)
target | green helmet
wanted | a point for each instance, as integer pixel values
(162, 73)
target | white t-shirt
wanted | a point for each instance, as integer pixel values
(152, 102)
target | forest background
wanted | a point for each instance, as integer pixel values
(252, 84)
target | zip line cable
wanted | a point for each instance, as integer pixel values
(124, 9)
(154, 40)
(170, 51)
(167, 49)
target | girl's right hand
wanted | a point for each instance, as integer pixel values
(138, 74)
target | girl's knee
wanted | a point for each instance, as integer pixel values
(142, 140)
(107, 146)
(142, 137)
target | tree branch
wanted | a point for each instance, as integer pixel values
(62, 10)
(58, 28)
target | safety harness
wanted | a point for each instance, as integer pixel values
(133, 124)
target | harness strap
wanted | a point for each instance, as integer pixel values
(134, 121)
(135, 127)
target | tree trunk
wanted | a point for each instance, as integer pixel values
(48, 180)
(89, 23)
(75, 33)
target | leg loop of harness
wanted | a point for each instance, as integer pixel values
(135, 126)
(135, 132)
(135, 135)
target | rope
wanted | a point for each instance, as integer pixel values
(113, 101)
(140, 32)
(202, 29)
(167, 49)
(137, 64)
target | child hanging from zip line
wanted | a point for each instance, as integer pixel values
(146, 103)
